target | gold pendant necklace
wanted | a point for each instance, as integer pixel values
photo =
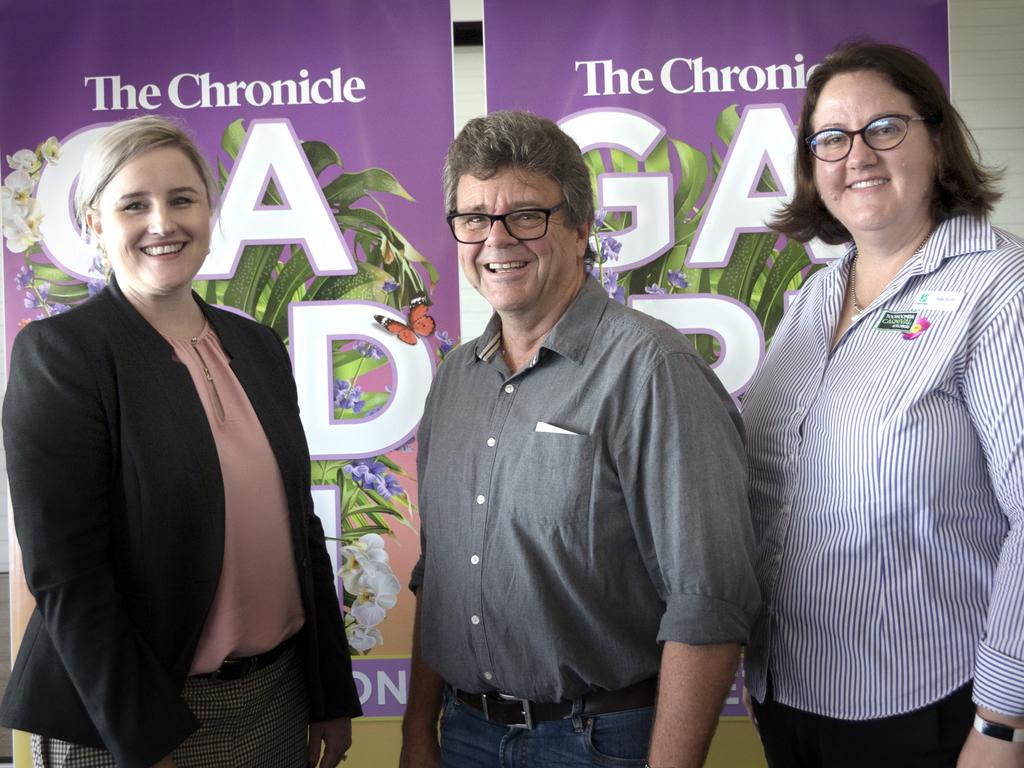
(853, 274)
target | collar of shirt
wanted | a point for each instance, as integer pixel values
(951, 238)
(572, 335)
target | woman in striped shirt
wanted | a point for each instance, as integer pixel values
(886, 443)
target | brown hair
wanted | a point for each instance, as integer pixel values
(962, 184)
(122, 143)
(526, 142)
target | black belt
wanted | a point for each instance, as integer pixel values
(504, 709)
(236, 669)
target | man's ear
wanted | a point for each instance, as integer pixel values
(583, 237)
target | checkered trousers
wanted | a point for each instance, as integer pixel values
(259, 721)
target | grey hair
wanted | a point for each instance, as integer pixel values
(521, 141)
(122, 143)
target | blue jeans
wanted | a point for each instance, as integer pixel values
(615, 739)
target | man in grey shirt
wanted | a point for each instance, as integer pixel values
(587, 547)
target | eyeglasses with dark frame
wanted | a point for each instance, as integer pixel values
(522, 224)
(881, 134)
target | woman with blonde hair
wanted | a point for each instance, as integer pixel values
(186, 612)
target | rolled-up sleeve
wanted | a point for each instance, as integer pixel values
(683, 471)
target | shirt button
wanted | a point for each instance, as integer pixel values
(474, 619)
(474, 559)
(488, 676)
(491, 442)
(509, 389)
(480, 499)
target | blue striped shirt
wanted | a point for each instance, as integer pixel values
(887, 487)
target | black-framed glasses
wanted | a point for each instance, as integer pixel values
(523, 224)
(882, 133)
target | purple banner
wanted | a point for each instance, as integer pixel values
(383, 686)
(685, 115)
(327, 122)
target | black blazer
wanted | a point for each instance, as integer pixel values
(118, 505)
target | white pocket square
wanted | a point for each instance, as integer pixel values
(543, 426)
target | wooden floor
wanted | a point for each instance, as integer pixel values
(5, 658)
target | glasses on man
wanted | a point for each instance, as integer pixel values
(523, 224)
(882, 133)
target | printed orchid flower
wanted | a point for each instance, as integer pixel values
(50, 150)
(18, 187)
(24, 160)
(375, 591)
(362, 638)
(368, 548)
(23, 231)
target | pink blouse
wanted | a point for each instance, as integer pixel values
(257, 604)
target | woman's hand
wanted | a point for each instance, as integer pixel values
(748, 705)
(982, 751)
(986, 752)
(336, 738)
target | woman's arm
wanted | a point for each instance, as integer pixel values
(994, 391)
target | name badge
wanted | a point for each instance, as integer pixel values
(896, 321)
(938, 301)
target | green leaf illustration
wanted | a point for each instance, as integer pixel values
(349, 187)
(749, 259)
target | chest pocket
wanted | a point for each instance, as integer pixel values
(553, 478)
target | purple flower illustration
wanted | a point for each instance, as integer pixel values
(57, 308)
(374, 476)
(24, 277)
(389, 286)
(365, 473)
(348, 396)
(37, 297)
(655, 289)
(677, 279)
(610, 283)
(599, 216)
(445, 342)
(388, 485)
(370, 350)
(95, 286)
(610, 248)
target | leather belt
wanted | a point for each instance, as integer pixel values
(236, 669)
(503, 709)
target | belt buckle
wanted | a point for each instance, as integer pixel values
(236, 669)
(524, 705)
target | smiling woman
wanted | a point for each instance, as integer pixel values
(884, 444)
(186, 608)
(153, 220)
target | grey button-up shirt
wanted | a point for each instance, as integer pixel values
(580, 511)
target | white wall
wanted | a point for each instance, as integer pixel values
(987, 82)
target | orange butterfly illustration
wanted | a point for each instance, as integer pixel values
(420, 323)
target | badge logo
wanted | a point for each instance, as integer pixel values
(896, 321)
(920, 326)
